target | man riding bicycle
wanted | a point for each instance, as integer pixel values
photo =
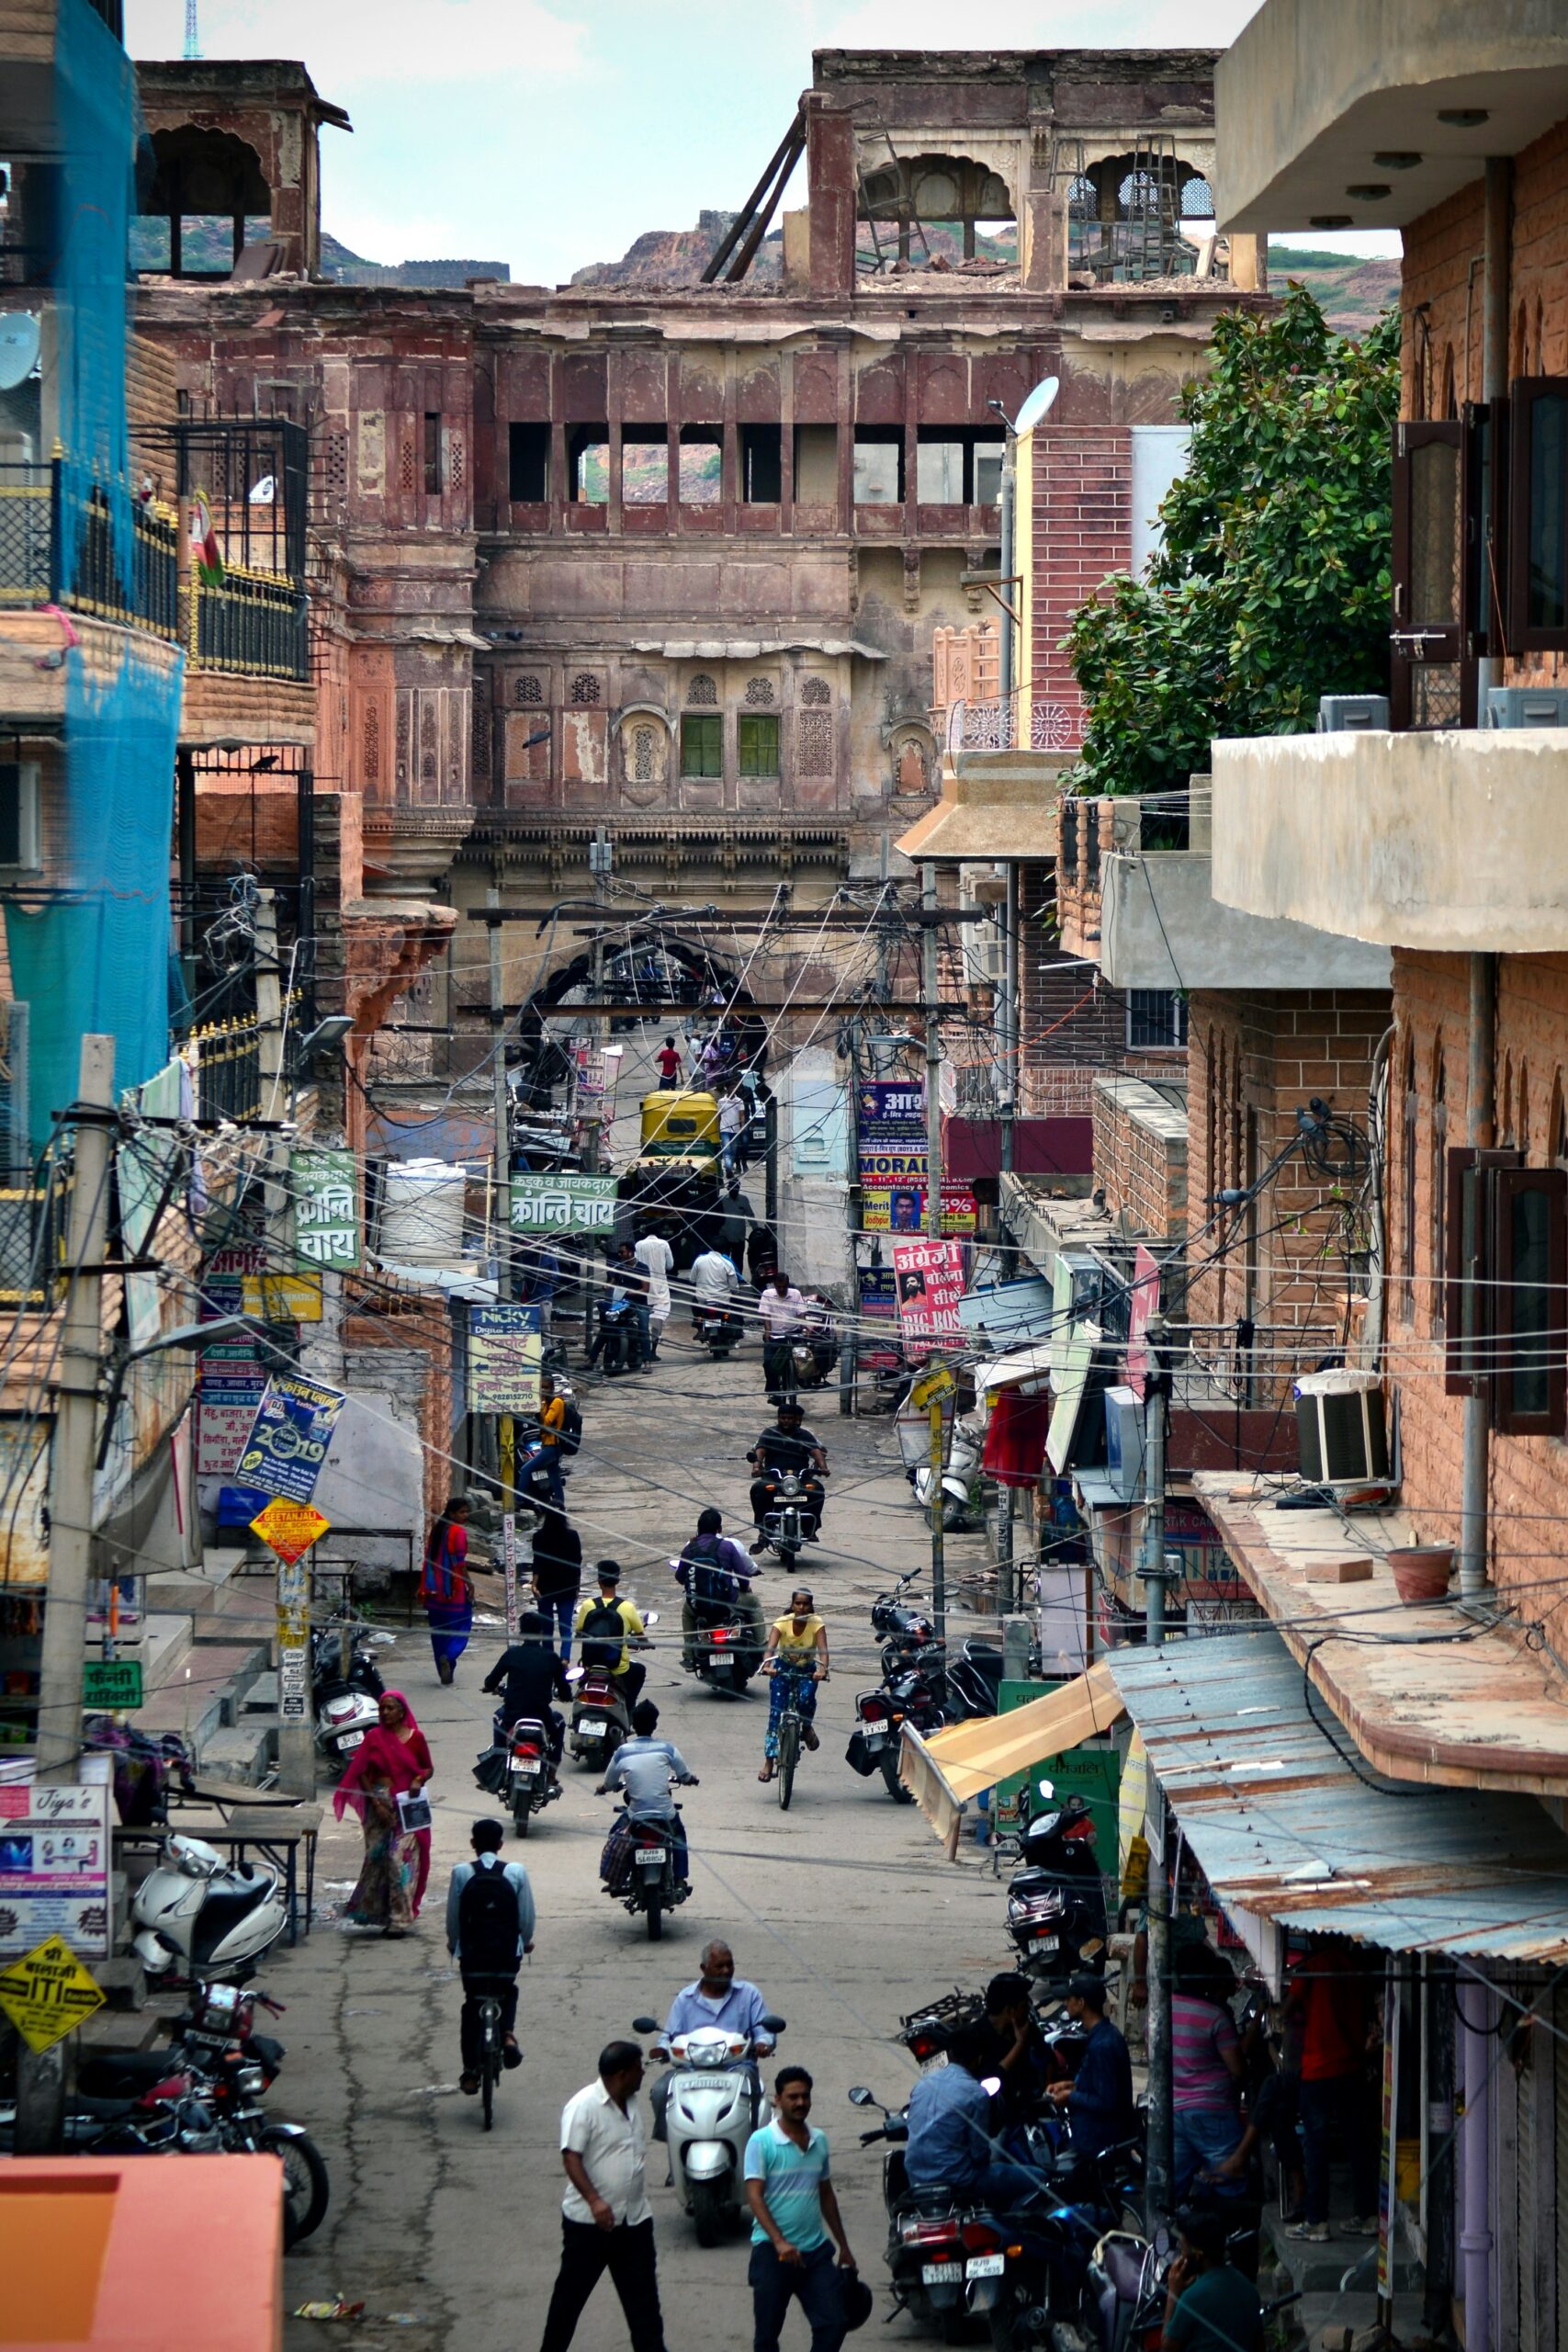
(788, 1445)
(796, 1661)
(490, 1926)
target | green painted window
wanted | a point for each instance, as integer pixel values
(759, 744)
(702, 744)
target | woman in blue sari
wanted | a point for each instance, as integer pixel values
(446, 1590)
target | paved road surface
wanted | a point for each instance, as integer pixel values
(843, 1910)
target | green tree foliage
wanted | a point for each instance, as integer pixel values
(1272, 586)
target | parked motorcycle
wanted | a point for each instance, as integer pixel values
(878, 1737)
(1055, 1912)
(903, 1627)
(720, 1330)
(814, 1354)
(716, 2103)
(531, 1780)
(344, 1701)
(206, 1916)
(599, 1717)
(961, 1498)
(618, 1331)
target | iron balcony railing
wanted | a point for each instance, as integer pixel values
(250, 622)
(63, 541)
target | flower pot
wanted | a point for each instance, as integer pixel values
(1421, 1572)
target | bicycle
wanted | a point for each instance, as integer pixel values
(792, 1725)
(490, 2054)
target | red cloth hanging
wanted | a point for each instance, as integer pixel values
(1015, 1437)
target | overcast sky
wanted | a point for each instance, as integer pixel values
(548, 136)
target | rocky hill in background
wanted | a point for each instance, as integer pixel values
(1352, 294)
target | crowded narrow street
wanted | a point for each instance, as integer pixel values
(843, 1911)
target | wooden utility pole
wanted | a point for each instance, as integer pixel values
(40, 2074)
(505, 1427)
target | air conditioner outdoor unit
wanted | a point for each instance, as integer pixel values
(1526, 706)
(1344, 1433)
(1344, 713)
(1124, 1442)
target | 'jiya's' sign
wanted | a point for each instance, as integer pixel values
(325, 1186)
(563, 1204)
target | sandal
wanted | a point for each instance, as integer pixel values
(767, 1772)
(469, 2084)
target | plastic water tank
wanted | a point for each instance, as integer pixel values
(422, 1213)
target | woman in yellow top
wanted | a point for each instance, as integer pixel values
(795, 1660)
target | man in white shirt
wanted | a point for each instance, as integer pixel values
(654, 1254)
(606, 2222)
(713, 1283)
(782, 1310)
(732, 1118)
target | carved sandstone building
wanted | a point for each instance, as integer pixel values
(669, 559)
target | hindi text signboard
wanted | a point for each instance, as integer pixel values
(48, 1994)
(930, 1276)
(289, 1529)
(563, 1205)
(325, 1186)
(504, 1351)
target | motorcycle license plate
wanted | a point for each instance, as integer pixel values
(352, 1739)
(1045, 1943)
(590, 1730)
(941, 2274)
(526, 1772)
(718, 1657)
(988, 2266)
(650, 1858)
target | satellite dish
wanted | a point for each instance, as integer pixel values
(1039, 405)
(20, 340)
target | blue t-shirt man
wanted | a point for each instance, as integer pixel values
(795, 2212)
(792, 2182)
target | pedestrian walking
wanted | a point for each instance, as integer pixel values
(558, 1573)
(794, 2207)
(669, 1061)
(393, 1763)
(445, 1589)
(732, 1131)
(606, 2222)
(654, 1254)
(491, 1920)
(1328, 1991)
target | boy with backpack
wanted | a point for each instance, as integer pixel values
(607, 1627)
(490, 1926)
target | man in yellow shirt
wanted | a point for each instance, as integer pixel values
(607, 1627)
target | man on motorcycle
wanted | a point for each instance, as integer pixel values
(546, 1454)
(628, 1290)
(782, 1310)
(788, 1445)
(714, 1285)
(534, 1675)
(714, 1569)
(723, 2001)
(598, 1641)
(952, 2141)
(647, 1769)
(1016, 2049)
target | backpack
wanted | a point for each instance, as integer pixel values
(706, 1578)
(602, 1633)
(570, 1438)
(488, 1922)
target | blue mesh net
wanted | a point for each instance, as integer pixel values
(91, 951)
(95, 115)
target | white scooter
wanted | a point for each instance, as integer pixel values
(961, 1475)
(204, 1916)
(716, 2103)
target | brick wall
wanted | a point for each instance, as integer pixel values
(1428, 1076)
(1253, 1061)
(1441, 364)
(402, 1344)
(1082, 533)
(1140, 1155)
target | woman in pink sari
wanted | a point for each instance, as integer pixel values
(396, 1753)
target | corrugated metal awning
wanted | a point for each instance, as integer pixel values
(1284, 1826)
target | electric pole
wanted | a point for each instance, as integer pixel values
(505, 1428)
(929, 977)
(1158, 2172)
(40, 2074)
(601, 865)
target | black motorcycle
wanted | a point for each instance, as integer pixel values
(725, 1650)
(720, 1330)
(903, 1627)
(877, 1739)
(1056, 1915)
